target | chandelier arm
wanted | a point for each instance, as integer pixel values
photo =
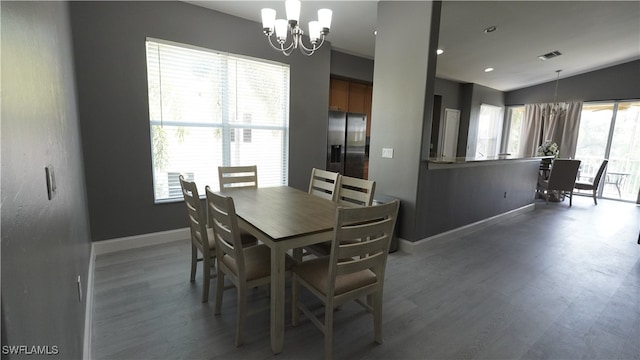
(279, 47)
(315, 46)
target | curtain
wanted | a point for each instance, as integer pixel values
(568, 128)
(558, 123)
(530, 131)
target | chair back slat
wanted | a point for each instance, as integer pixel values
(324, 184)
(238, 176)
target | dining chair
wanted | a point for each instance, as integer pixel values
(246, 267)
(351, 192)
(324, 184)
(593, 186)
(355, 192)
(562, 179)
(238, 176)
(201, 237)
(354, 269)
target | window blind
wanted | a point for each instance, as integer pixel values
(210, 109)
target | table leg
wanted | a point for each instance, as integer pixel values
(277, 299)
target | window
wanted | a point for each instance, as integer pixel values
(210, 109)
(489, 129)
(611, 130)
(512, 130)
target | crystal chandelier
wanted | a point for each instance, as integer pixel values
(317, 29)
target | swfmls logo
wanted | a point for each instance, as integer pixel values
(30, 350)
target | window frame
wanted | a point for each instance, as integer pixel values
(244, 131)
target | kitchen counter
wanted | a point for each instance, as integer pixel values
(453, 162)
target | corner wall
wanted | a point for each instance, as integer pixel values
(401, 103)
(45, 243)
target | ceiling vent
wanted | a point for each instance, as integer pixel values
(550, 55)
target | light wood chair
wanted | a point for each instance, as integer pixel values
(353, 270)
(238, 176)
(593, 186)
(562, 179)
(201, 238)
(355, 192)
(246, 267)
(351, 192)
(324, 184)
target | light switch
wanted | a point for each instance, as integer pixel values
(387, 153)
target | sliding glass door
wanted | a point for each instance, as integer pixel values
(611, 131)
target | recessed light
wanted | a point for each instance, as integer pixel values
(489, 69)
(439, 51)
(490, 29)
(375, 32)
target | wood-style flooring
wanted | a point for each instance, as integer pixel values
(554, 283)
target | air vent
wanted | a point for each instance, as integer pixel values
(550, 55)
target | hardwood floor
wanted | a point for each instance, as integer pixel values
(555, 283)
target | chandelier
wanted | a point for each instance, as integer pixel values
(317, 29)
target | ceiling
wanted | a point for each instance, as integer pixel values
(590, 35)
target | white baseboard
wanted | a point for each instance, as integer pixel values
(88, 315)
(137, 241)
(413, 247)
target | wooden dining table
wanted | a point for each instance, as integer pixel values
(283, 218)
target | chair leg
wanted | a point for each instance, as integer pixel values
(242, 315)
(219, 290)
(206, 276)
(328, 331)
(295, 295)
(594, 197)
(377, 316)
(570, 198)
(194, 262)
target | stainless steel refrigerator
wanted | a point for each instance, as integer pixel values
(347, 143)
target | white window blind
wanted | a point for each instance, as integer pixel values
(489, 131)
(210, 109)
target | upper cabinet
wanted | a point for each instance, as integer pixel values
(357, 96)
(339, 95)
(350, 96)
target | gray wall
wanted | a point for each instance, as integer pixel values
(399, 96)
(351, 67)
(450, 92)
(111, 71)
(619, 82)
(459, 196)
(45, 243)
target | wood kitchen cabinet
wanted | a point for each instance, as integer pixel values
(339, 95)
(350, 96)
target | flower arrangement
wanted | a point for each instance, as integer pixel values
(548, 149)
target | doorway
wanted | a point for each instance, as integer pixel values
(611, 130)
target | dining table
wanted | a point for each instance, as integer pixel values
(283, 218)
